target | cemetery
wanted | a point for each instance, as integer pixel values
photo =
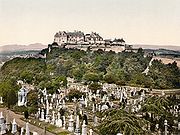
(75, 92)
(83, 115)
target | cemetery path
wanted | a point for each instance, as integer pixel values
(21, 123)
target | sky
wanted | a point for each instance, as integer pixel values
(137, 21)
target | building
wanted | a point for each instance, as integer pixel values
(63, 37)
(93, 38)
(79, 40)
(77, 37)
(118, 42)
(60, 37)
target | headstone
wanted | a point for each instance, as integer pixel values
(42, 100)
(77, 130)
(64, 104)
(58, 115)
(47, 111)
(35, 133)
(104, 107)
(90, 132)
(2, 124)
(162, 93)
(27, 129)
(1, 100)
(42, 115)
(93, 108)
(64, 122)
(99, 109)
(84, 128)
(39, 113)
(53, 118)
(14, 127)
(165, 127)
(95, 121)
(50, 106)
(86, 102)
(59, 122)
(7, 121)
(71, 124)
(22, 130)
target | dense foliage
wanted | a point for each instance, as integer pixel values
(125, 68)
(155, 110)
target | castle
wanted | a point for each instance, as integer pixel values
(78, 39)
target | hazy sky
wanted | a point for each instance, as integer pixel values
(137, 21)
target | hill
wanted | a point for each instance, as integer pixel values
(13, 48)
(91, 67)
(156, 47)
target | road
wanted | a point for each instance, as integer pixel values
(21, 123)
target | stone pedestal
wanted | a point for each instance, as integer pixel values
(71, 124)
(77, 130)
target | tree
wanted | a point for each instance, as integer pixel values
(140, 51)
(26, 76)
(32, 101)
(26, 114)
(116, 121)
(11, 98)
(159, 108)
(92, 77)
(75, 94)
(95, 86)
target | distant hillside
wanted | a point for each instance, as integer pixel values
(170, 47)
(13, 48)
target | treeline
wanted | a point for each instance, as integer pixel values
(123, 68)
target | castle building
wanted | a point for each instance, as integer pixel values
(77, 37)
(93, 38)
